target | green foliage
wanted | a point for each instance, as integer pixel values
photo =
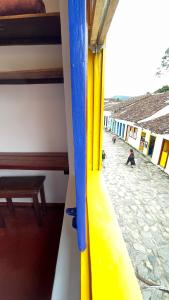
(164, 63)
(164, 89)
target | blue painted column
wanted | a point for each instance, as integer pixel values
(117, 128)
(123, 131)
(114, 127)
(78, 62)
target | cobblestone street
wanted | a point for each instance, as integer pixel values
(140, 197)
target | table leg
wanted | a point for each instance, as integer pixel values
(43, 200)
(37, 209)
(10, 204)
(2, 221)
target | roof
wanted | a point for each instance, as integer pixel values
(159, 125)
(137, 109)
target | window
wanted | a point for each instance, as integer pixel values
(133, 132)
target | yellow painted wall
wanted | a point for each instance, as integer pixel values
(112, 274)
(163, 159)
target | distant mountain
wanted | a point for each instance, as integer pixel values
(121, 98)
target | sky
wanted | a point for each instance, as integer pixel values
(136, 41)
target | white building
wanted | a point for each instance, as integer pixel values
(143, 122)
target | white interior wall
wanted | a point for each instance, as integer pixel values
(32, 118)
(14, 58)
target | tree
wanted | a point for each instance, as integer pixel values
(164, 89)
(164, 64)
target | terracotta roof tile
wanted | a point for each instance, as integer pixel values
(139, 108)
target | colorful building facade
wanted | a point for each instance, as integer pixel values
(147, 132)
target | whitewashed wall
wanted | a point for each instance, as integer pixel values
(157, 149)
(135, 142)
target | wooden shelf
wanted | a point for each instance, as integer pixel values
(34, 161)
(54, 75)
(30, 29)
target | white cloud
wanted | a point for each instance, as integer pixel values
(137, 39)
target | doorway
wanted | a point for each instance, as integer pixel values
(142, 141)
(164, 154)
(127, 133)
(151, 145)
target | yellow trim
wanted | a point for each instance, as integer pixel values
(102, 108)
(90, 104)
(106, 270)
(95, 110)
(113, 277)
(85, 272)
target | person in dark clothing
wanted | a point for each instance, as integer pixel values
(131, 158)
(114, 139)
(103, 158)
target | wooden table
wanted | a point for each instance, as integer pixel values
(24, 187)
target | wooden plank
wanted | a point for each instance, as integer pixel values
(54, 75)
(103, 13)
(96, 20)
(107, 21)
(34, 161)
(30, 29)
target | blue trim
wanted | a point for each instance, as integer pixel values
(123, 131)
(120, 129)
(78, 62)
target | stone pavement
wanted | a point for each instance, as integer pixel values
(140, 197)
